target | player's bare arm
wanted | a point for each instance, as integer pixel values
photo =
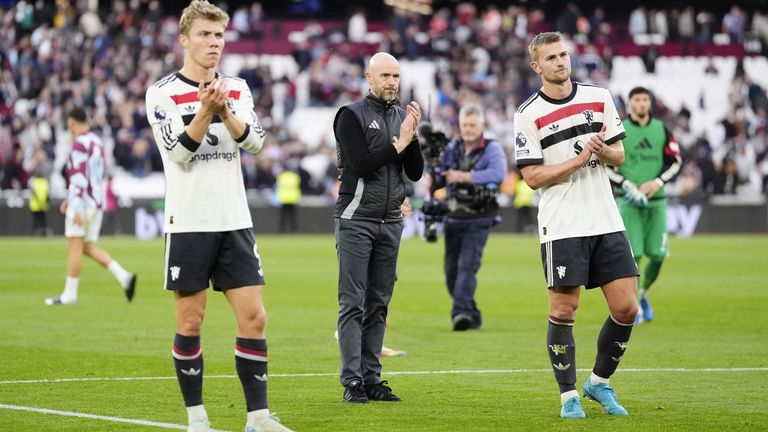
(538, 176)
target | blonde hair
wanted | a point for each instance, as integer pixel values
(201, 9)
(540, 39)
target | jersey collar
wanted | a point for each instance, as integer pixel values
(562, 101)
(194, 83)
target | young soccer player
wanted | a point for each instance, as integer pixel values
(84, 208)
(201, 119)
(652, 160)
(566, 136)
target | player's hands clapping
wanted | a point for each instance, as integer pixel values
(213, 97)
(596, 143)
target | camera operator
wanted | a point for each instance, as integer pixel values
(472, 168)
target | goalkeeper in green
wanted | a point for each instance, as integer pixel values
(652, 159)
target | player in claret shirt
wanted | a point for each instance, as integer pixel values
(84, 208)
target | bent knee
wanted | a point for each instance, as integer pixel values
(625, 313)
(564, 311)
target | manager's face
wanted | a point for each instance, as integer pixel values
(384, 79)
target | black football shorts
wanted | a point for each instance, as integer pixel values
(590, 261)
(227, 259)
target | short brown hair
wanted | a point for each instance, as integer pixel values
(201, 9)
(78, 114)
(540, 39)
(639, 90)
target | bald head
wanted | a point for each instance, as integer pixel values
(383, 76)
(382, 59)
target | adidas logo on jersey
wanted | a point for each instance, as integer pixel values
(554, 127)
(374, 125)
(644, 144)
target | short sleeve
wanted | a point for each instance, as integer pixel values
(527, 142)
(614, 128)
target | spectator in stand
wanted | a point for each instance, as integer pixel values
(638, 22)
(734, 22)
(13, 173)
(357, 27)
(705, 21)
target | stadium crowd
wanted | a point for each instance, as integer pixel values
(57, 56)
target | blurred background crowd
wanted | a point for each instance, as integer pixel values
(302, 62)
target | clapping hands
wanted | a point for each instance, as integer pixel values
(213, 97)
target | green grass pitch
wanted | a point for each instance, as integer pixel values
(701, 365)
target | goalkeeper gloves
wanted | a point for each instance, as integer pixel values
(632, 195)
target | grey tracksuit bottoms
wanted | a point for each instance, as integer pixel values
(367, 254)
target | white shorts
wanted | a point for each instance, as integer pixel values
(89, 227)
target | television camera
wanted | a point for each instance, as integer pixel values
(432, 144)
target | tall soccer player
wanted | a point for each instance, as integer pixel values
(566, 136)
(652, 160)
(201, 119)
(83, 210)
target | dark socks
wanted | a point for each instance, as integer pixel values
(611, 345)
(251, 365)
(188, 360)
(562, 352)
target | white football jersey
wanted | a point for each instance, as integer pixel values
(204, 190)
(550, 131)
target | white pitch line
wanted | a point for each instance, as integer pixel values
(94, 417)
(436, 372)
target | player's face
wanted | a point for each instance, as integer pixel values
(384, 79)
(640, 105)
(204, 43)
(553, 63)
(471, 128)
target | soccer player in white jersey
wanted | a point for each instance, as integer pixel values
(201, 120)
(83, 209)
(566, 137)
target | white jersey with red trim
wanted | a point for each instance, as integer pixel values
(86, 175)
(204, 189)
(549, 132)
